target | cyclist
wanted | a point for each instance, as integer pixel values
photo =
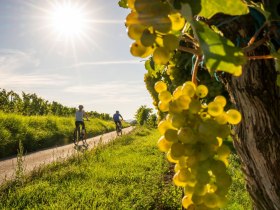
(80, 114)
(116, 118)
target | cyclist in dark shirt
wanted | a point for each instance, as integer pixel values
(116, 117)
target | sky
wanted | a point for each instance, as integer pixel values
(85, 62)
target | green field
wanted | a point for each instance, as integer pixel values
(129, 173)
(38, 132)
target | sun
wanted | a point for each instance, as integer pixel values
(68, 20)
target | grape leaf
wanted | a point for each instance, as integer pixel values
(208, 8)
(219, 53)
(123, 3)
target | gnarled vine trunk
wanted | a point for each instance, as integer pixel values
(257, 97)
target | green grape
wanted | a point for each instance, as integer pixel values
(138, 50)
(177, 92)
(160, 9)
(162, 24)
(220, 100)
(171, 135)
(163, 126)
(223, 181)
(187, 202)
(160, 86)
(165, 96)
(130, 4)
(189, 88)
(215, 109)
(163, 144)
(135, 31)
(204, 116)
(184, 175)
(194, 106)
(177, 182)
(170, 158)
(177, 20)
(186, 135)
(177, 150)
(147, 38)
(178, 120)
(218, 167)
(234, 116)
(211, 200)
(200, 189)
(222, 118)
(184, 102)
(223, 131)
(201, 91)
(161, 55)
(174, 107)
(197, 199)
(141, 6)
(164, 107)
(170, 42)
(132, 19)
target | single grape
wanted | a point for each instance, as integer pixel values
(164, 107)
(177, 92)
(194, 106)
(211, 200)
(201, 91)
(135, 31)
(165, 96)
(234, 116)
(160, 86)
(177, 150)
(222, 118)
(163, 144)
(162, 24)
(138, 50)
(186, 135)
(171, 135)
(220, 100)
(184, 102)
(161, 55)
(215, 109)
(189, 88)
(187, 202)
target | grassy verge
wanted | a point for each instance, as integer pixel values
(38, 132)
(129, 173)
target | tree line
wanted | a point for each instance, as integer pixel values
(29, 104)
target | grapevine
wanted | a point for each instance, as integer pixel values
(195, 120)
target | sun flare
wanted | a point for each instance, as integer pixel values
(68, 20)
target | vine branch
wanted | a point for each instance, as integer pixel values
(257, 57)
(195, 69)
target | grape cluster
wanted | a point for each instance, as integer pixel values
(192, 137)
(153, 25)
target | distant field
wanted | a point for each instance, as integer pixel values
(129, 173)
(38, 132)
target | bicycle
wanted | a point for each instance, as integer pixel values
(80, 135)
(119, 128)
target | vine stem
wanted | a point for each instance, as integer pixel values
(189, 50)
(256, 57)
(252, 40)
(195, 69)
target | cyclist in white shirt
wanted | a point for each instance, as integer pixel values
(80, 114)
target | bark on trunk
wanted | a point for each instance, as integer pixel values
(257, 97)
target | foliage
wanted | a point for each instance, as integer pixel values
(129, 173)
(142, 114)
(37, 132)
(31, 104)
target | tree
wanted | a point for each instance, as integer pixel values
(142, 114)
(238, 43)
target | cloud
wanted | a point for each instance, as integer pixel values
(14, 81)
(113, 91)
(12, 60)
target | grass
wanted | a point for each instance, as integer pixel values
(129, 173)
(38, 132)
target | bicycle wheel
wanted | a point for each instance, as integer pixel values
(76, 136)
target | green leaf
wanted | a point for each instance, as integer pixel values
(208, 8)
(123, 3)
(219, 53)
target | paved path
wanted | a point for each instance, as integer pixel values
(36, 159)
